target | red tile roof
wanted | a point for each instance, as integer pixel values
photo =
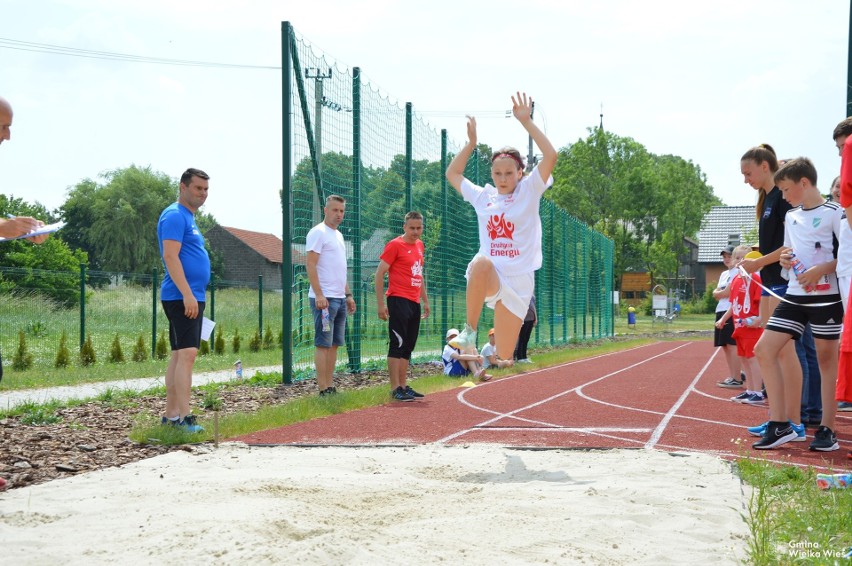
(267, 245)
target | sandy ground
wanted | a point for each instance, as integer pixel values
(384, 505)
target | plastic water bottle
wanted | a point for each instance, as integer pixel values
(799, 268)
(747, 322)
(326, 320)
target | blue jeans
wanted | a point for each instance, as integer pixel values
(811, 389)
(337, 316)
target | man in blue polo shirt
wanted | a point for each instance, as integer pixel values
(183, 292)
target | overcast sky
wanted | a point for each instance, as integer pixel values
(702, 80)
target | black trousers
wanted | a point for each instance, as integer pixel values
(523, 340)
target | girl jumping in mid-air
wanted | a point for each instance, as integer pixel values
(501, 274)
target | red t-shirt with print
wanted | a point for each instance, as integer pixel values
(405, 276)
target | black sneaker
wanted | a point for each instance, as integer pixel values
(824, 440)
(399, 394)
(776, 434)
(412, 392)
(730, 383)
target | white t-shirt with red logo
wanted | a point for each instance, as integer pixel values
(509, 225)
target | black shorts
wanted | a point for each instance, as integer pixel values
(183, 332)
(724, 336)
(403, 327)
(823, 312)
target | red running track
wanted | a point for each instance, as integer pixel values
(661, 396)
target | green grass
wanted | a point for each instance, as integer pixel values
(790, 520)
(126, 311)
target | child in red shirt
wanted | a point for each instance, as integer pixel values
(745, 309)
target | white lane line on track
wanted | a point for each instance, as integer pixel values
(591, 430)
(512, 414)
(655, 436)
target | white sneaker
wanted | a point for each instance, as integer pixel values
(465, 340)
(525, 361)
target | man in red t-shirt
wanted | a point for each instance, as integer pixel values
(403, 260)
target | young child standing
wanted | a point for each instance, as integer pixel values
(810, 248)
(502, 273)
(745, 311)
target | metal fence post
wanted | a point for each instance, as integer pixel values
(445, 207)
(287, 66)
(82, 304)
(154, 285)
(357, 275)
(213, 298)
(260, 306)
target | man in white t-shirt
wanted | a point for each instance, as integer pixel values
(329, 294)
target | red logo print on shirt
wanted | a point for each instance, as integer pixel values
(499, 227)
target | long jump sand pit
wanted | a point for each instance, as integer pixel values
(423, 504)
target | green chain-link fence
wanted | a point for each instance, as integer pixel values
(341, 136)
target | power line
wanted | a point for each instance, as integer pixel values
(18, 45)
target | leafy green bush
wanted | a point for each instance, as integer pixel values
(268, 338)
(37, 415)
(709, 301)
(235, 342)
(116, 356)
(23, 359)
(63, 355)
(162, 348)
(140, 352)
(87, 353)
(254, 342)
(219, 345)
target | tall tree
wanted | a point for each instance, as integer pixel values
(21, 258)
(617, 187)
(116, 222)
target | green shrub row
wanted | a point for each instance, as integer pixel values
(23, 359)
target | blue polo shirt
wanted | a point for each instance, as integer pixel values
(178, 223)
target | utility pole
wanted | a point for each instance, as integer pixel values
(319, 76)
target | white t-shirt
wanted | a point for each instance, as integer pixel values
(844, 253)
(447, 358)
(813, 235)
(331, 267)
(487, 350)
(509, 225)
(725, 279)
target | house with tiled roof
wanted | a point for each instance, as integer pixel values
(723, 226)
(245, 254)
